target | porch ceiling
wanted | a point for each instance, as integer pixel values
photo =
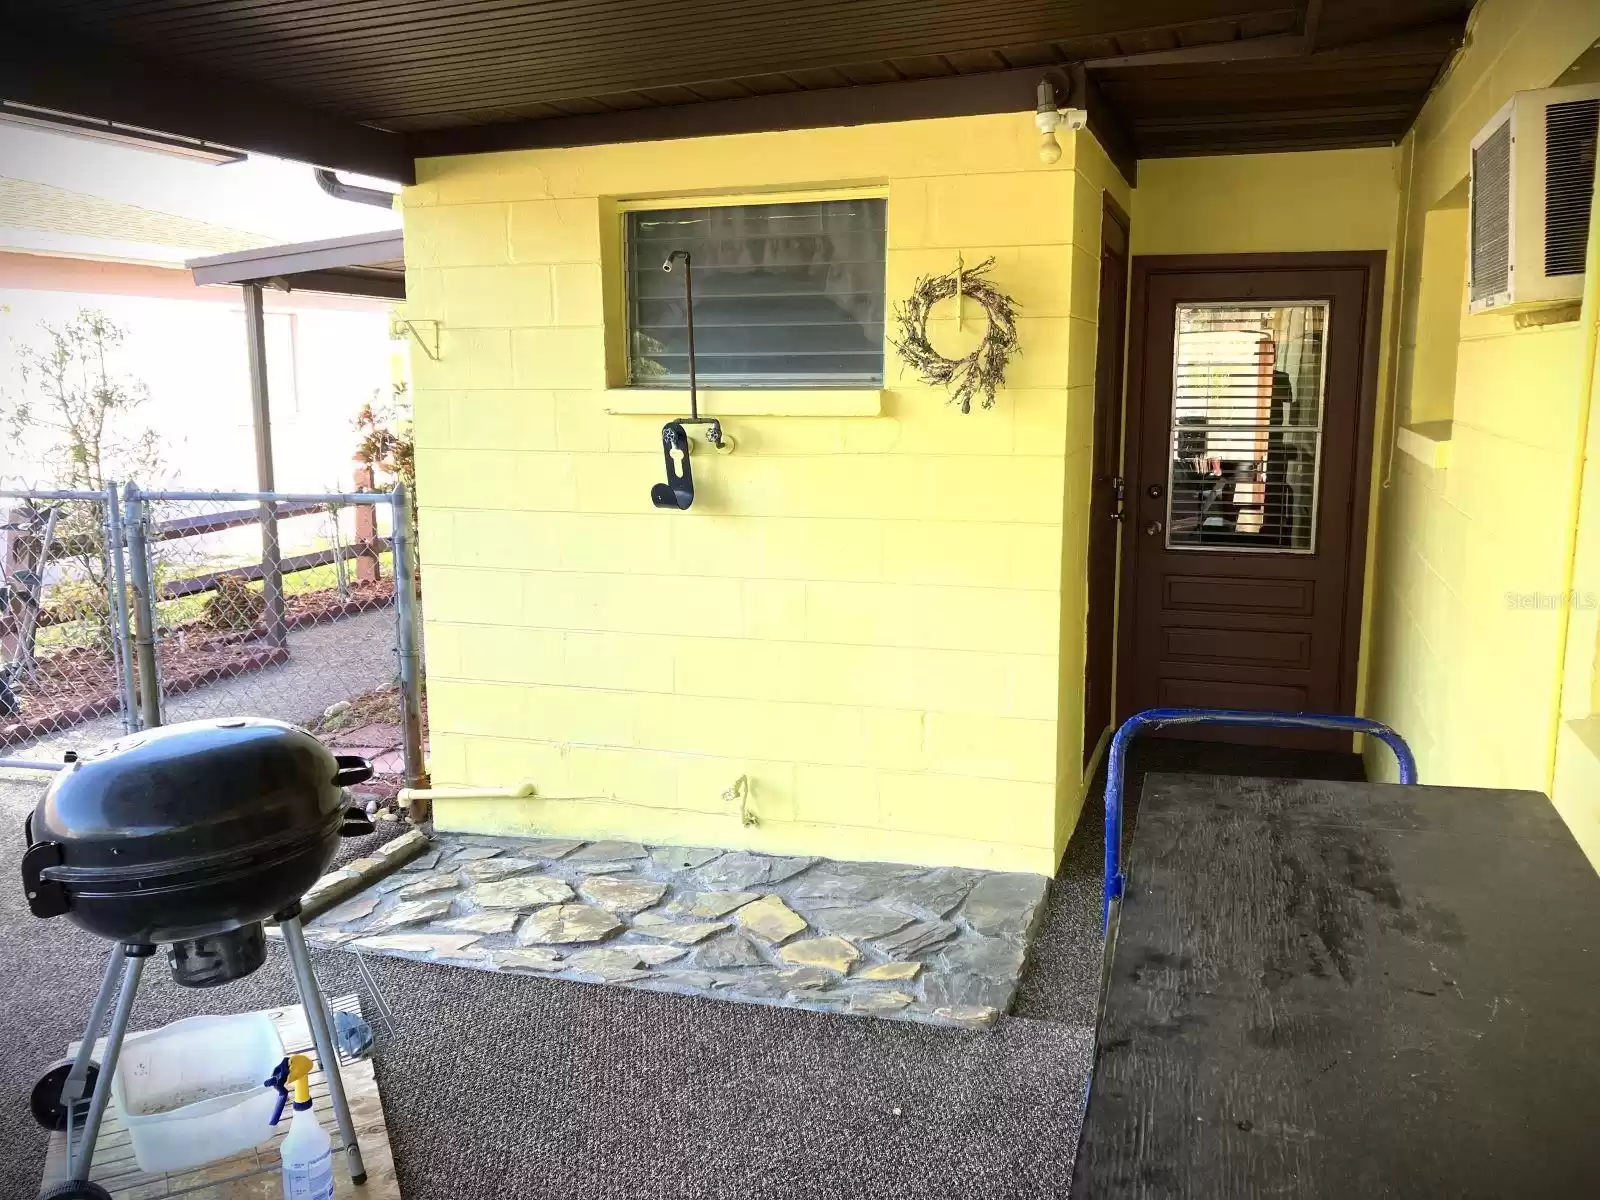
(1179, 76)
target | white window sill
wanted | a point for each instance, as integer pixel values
(747, 402)
(1427, 442)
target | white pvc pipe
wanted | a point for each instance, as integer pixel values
(521, 791)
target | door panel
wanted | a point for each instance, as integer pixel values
(1237, 646)
(1250, 413)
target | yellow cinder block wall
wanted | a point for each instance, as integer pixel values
(1476, 556)
(874, 612)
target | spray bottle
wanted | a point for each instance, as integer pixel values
(308, 1150)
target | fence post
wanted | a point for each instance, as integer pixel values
(117, 589)
(261, 419)
(368, 568)
(405, 603)
(144, 611)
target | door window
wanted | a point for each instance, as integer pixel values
(1246, 436)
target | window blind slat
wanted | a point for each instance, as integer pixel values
(1246, 429)
(785, 294)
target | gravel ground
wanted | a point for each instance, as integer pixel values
(326, 663)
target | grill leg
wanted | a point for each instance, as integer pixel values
(305, 978)
(108, 1066)
(72, 1090)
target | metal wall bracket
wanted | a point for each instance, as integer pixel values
(678, 491)
(423, 331)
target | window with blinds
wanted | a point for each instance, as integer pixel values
(1247, 404)
(785, 295)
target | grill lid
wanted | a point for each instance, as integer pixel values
(160, 810)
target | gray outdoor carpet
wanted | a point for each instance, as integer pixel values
(501, 1085)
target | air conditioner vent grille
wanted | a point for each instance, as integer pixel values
(1491, 215)
(1570, 134)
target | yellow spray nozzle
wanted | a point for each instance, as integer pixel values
(299, 1078)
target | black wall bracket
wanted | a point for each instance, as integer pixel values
(678, 491)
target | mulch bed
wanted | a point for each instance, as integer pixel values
(76, 685)
(378, 708)
(318, 608)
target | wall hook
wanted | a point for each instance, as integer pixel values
(427, 336)
(678, 491)
(961, 270)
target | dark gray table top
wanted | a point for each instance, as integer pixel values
(1348, 990)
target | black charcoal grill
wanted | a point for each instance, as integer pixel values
(188, 836)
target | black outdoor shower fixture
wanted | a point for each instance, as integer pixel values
(678, 491)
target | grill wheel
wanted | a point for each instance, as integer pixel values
(46, 1099)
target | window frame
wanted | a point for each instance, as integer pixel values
(624, 207)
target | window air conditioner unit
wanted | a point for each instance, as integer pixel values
(1532, 188)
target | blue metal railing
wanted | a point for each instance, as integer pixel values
(1155, 718)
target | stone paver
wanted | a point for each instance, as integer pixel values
(941, 946)
(832, 952)
(770, 919)
(563, 923)
(622, 895)
(1005, 904)
(521, 891)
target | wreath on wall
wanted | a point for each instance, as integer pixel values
(984, 370)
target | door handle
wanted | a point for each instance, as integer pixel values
(1154, 528)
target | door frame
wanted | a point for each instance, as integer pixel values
(1148, 266)
(1110, 403)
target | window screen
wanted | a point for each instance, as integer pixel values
(785, 295)
(1246, 427)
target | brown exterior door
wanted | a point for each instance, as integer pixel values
(1104, 501)
(1251, 393)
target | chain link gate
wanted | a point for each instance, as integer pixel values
(296, 606)
(66, 654)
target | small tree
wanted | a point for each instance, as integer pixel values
(74, 405)
(74, 410)
(386, 444)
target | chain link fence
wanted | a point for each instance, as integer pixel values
(127, 612)
(66, 657)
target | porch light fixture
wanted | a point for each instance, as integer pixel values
(1049, 118)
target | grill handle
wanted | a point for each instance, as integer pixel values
(46, 898)
(352, 769)
(356, 823)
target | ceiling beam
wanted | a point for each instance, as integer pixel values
(1275, 45)
(907, 100)
(1439, 38)
(1107, 125)
(1311, 24)
(65, 71)
(374, 285)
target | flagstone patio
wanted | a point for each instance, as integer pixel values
(938, 945)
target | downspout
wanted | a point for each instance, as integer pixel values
(1590, 315)
(339, 190)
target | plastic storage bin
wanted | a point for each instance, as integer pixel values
(192, 1092)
